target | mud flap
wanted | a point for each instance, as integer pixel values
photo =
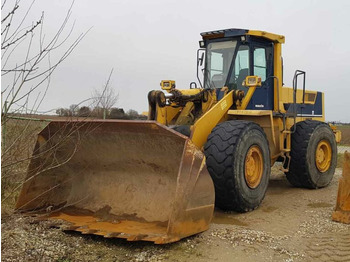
(137, 180)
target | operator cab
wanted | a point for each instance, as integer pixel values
(232, 55)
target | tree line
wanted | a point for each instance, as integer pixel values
(99, 112)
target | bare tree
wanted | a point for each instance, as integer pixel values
(84, 111)
(74, 109)
(117, 113)
(105, 98)
(132, 114)
(29, 58)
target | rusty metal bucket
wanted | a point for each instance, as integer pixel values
(342, 209)
(137, 180)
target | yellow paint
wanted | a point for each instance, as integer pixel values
(171, 113)
(254, 166)
(223, 105)
(247, 97)
(323, 115)
(189, 92)
(278, 102)
(342, 208)
(271, 126)
(250, 112)
(336, 132)
(211, 101)
(323, 155)
(287, 96)
(274, 37)
(185, 117)
(167, 84)
(204, 125)
(161, 115)
(252, 82)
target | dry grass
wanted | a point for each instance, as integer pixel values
(345, 133)
(20, 137)
(340, 160)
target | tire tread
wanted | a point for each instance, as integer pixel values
(219, 151)
(298, 174)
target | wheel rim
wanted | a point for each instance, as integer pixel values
(323, 155)
(253, 166)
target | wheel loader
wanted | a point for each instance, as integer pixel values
(212, 144)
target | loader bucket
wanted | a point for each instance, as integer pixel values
(137, 180)
(342, 208)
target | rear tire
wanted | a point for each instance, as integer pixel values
(230, 146)
(313, 155)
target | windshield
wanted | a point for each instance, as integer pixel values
(219, 59)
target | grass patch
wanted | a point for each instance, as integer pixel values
(340, 160)
(20, 137)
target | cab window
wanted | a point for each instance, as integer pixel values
(242, 61)
(260, 63)
(241, 68)
(219, 59)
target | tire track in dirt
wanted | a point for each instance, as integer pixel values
(330, 247)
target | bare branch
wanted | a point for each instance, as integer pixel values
(6, 39)
(106, 99)
(23, 35)
(19, 70)
(27, 82)
(10, 13)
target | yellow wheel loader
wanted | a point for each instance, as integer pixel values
(211, 144)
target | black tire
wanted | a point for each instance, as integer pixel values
(225, 151)
(303, 171)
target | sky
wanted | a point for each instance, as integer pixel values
(149, 41)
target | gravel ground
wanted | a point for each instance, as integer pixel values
(292, 224)
(342, 149)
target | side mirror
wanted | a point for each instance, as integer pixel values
(200, 58)
(200, 62)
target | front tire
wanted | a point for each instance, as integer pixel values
(313, 155)
(238, 160)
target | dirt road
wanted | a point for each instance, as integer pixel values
(292, 224)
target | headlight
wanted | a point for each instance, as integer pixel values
(167, 84)
(252, 81)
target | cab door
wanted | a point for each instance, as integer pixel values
(261, 64)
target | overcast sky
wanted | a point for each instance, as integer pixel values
(147, 41)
